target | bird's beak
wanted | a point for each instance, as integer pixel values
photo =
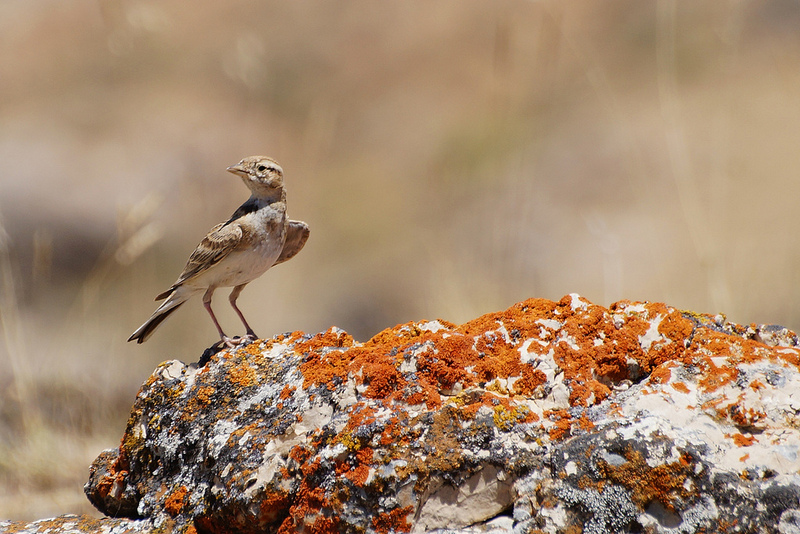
(237, 169)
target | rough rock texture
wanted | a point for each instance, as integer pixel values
(75, 524)
(556, 417)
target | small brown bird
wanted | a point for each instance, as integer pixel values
(234, 253)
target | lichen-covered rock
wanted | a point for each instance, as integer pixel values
(69, 524)
(553, 417)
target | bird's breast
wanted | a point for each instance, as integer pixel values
(264, 234)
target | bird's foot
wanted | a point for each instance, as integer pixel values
(226, 342)
(231, 343)
(237, 341)
(251, 336)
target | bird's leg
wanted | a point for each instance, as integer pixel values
(207, 303)
(235, 295)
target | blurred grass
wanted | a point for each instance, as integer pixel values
(451, 158)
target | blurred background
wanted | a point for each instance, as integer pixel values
(451, 157)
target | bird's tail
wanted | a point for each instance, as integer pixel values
(175, 299)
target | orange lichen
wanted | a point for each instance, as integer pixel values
(672, 326)
(611, 362)
(675, 327)
(661, 353)
(382, 379)
(395, 431)
(250, 350)
(273, 505)
(284, 338)
(562, 423)
(311, 509)
(530, 379)
(469, 411)
(560, 430)
(393, 521)
(287, 391)
(321, 368)
(790, 355)
(300, 454)
(311, 499)
(449, 359)
(242, 375)
(116, 475)
(661, 374)
(424, 392)
(663, 483)
(497, 357)
(200, 400)
(743, 441)
(361, 414)
(520, 318)
(587, 483)
(587, 392)
(584, 423)
(594, 348)
(175, 502)
(714, 376)
(589, 360)
(680, 386)
(324, 525)
(742, 417)
(330, 338)
(446, 366)
(358, 472)
(710, 342)
(403, 334)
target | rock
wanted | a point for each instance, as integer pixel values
(76, 524)
(548, 417)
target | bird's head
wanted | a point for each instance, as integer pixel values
(259, 173)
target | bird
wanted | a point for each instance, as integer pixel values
(234, 253)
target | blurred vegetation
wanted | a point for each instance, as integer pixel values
(451, 158)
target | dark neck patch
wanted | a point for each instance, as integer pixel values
(248, 207)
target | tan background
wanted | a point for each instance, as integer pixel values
(451, 158)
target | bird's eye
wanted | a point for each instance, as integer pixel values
(261, 168)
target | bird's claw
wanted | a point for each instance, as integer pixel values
(231, 343)
(237, 341)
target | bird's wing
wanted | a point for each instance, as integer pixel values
(220, 241)
(296, 237)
